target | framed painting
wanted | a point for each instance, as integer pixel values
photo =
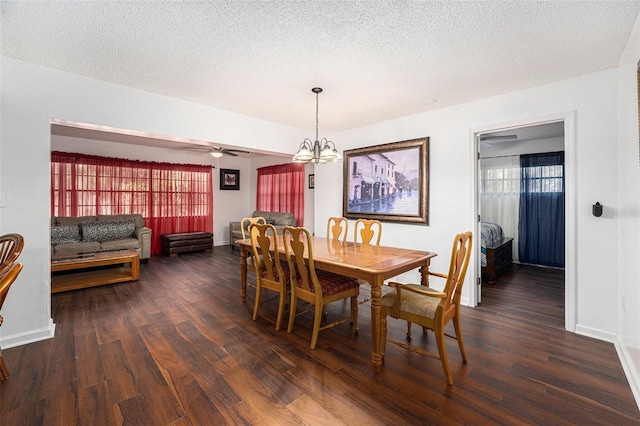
(388, 182)
(229, 179)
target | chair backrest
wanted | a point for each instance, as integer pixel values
(460, 255)
(337, 226)
(246, 222)
(297, 243)
(11, 246)
(6, 279)
(266, 256)
(370, 228)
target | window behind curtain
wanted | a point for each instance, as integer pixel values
(542, 212)
(281, 189)
(500, 195)
(171, 197)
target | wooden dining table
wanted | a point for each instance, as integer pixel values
(373, 264)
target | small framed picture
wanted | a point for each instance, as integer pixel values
(229, 179)
(312, 181)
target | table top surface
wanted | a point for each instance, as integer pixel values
(370, 258)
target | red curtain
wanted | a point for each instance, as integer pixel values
(171, 197)
(281, 189)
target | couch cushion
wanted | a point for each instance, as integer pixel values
(283, 219)
(65, 234)
(60, 220)
(105, 231)
(276, 218)
(69, 248)
(122, 244)
(137, 218)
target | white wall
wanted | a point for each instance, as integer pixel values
(628, 212)
(31, 96)
(593, 97)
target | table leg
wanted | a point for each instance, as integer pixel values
(424, 273)
(243, 273)
(135, 268)
(376, 324)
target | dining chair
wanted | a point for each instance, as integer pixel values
(314, 286)
(370, 228)
(430, 308)
(6, 279)
(337, 226)
(245, 223)
(11, 246)
(273, 276)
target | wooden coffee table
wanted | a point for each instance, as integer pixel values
(93, 269)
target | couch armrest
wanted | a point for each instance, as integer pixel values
(233, 226)
(144, 236)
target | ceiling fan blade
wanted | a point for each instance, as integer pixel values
(497, 138)
(235, 150)
(229, 153)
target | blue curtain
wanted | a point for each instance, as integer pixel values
(541, 219)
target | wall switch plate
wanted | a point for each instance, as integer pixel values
(3, 199)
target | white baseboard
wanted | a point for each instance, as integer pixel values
(30, 336)
(633, 377)
(623, 355)
(596, 334)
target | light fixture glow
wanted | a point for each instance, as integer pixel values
(319, 151)
(216, 154)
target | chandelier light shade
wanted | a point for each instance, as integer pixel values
(318, 151)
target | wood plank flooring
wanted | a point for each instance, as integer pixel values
(178, 347)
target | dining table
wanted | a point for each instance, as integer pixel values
(371, 263)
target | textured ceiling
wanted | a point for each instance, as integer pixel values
(375, 60)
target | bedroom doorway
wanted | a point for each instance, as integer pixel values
(546, 146)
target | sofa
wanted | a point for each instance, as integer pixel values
(277, 219)
(100, 233)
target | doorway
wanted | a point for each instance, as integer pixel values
(534, 137)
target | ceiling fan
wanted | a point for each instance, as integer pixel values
(218, 152)
(485, 138)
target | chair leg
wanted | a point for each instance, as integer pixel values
(442, 351)
(280, 309)
(4, 371)
(354, 313)
(383, 336)
(292, 312)
(456, 325)
(256, 306)
(317, 318)
(408, 330)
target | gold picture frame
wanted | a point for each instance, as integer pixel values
(388, 182)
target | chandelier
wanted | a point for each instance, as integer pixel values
(320, 151)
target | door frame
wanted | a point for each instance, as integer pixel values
(570, 283)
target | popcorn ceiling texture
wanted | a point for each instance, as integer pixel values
(375, 60)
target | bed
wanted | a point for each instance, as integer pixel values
(495, 251)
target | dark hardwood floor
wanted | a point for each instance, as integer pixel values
(179, 347)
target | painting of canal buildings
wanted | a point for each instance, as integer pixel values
(388, 182)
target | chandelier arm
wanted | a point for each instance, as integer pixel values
(317, 151)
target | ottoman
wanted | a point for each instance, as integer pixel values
(186, 242)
